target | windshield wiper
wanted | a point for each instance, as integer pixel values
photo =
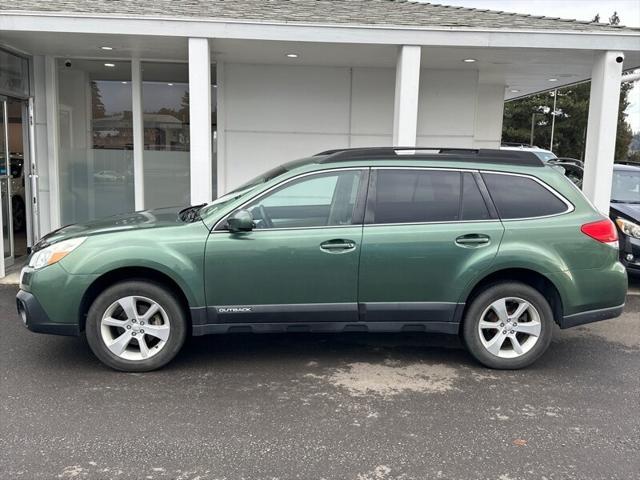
(191, 214)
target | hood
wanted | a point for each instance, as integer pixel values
(628, 210)
(163, 217)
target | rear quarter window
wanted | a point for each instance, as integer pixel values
(521, 197)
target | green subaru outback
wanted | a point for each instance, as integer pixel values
(490, 245)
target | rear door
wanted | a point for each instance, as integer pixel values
(427, 234)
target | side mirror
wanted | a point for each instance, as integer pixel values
(240, 221)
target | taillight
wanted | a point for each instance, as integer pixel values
(603, 231)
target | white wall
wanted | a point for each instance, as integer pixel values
(489, 114)
(276, 113)
(446, 116)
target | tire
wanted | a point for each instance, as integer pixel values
(503, 341)
(111, 317)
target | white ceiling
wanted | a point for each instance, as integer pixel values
(522, 69)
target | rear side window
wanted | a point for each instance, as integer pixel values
(419, 196)
(412, 196)
(521, 197)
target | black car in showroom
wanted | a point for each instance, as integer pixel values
(625, 212)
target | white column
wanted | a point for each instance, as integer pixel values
(405, 113)
(51, 93)
(601, 128)
(200, 120)
(138, 133)
(40, 128)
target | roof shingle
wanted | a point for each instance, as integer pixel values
(359, 12)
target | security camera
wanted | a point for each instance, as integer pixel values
(67, 63)
(620, 59)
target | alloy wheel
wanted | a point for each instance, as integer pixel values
(135, 328)
(509, 327)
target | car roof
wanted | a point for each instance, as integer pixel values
(626, 167)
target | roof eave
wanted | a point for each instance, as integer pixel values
(624, 39)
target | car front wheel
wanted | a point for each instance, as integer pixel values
(508, 326)
(136, 326)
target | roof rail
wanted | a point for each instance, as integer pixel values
(508, 157)
(518, 144)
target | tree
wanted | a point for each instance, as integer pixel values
(97, 106)
(571, 115)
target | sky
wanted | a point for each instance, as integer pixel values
(628, 11)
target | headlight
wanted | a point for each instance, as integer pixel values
(54, 253)
(628, 228)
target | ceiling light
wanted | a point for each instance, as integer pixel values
(293, 55)
(170, 84)
(553, 79)
(469, 60)
(110, 65)
(513, 90)
(106, 48)
(124, 83)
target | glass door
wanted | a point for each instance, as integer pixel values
(6, 246)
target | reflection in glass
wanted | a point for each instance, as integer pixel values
(165, 97)
(4, 184)
(95, 140)
(14, 74)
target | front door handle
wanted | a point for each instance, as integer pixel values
(337, 245)
(473, 240)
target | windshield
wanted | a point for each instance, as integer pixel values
(220, 202)
(626, 186)
(245, 188)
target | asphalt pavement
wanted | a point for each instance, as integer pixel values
(311, 407)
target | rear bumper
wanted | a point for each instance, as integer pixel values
(591, 316)
(36, 319)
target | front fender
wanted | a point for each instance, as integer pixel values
(177, 252)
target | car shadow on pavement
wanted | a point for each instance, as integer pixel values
(326, 348)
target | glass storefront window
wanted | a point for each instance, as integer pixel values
(96, 146)
(14, 74)
(165, 103)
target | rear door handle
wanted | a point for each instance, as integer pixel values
(337, 245)
(473, 240)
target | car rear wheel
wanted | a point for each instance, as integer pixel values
(508, 326)
(136, 326)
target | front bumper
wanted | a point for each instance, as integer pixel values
(36, 319)
(630, 253)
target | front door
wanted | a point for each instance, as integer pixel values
(301, 259)
(427, 234)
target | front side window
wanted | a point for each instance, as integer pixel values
(414, 196)
(521, 197)
(320, 200)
